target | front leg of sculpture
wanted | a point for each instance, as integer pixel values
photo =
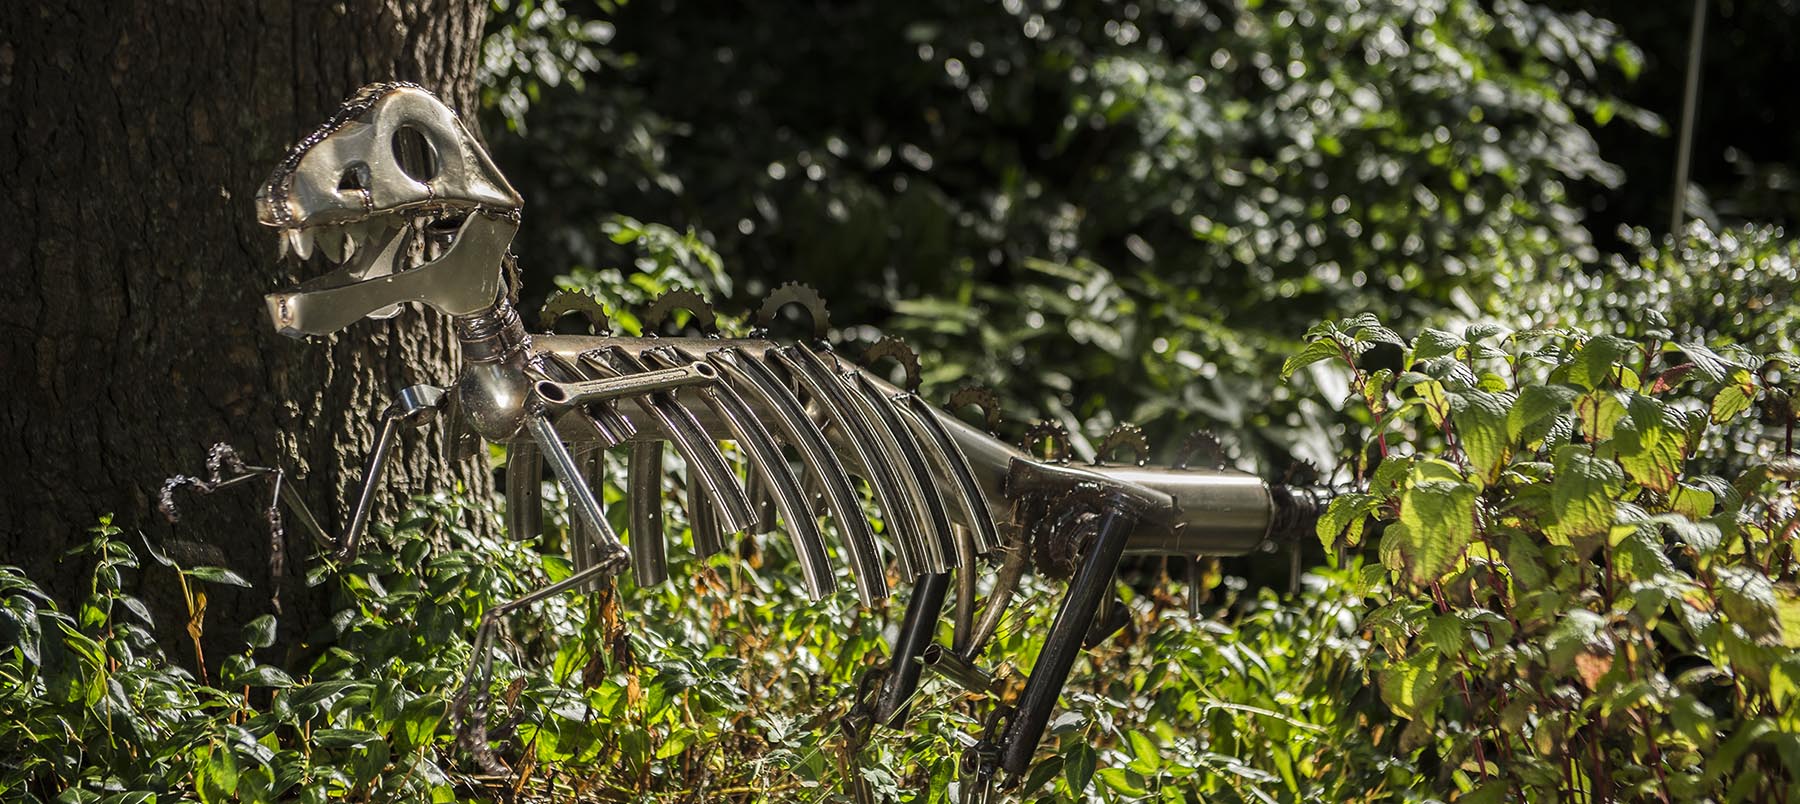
(952, 498)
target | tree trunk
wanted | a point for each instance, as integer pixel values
(133, 135)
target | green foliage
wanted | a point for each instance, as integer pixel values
(1568, 599)
(1141, 201)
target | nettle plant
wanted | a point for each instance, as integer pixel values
(1567, 607)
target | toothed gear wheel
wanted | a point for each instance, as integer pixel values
(795, 293)
(705, 319)
(564, 302)
(1059, 536)
(1047, 431)
(1124, 436)
(1301, 473)
(1202, 448)
(897, 349)
(981, 397)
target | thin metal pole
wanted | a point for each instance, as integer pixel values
(1689, 106)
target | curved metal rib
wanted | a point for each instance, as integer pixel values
(524, 490)
(771, 466)
(916, 477)
(643, 479)
(859, 541)
(950, 457)
(896, 506)
(703, 457)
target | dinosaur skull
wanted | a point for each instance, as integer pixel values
(395, 189)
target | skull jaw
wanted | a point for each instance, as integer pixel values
(463, 281)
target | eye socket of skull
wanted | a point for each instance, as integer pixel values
(414, 152)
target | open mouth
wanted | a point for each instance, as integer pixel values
(378, 245)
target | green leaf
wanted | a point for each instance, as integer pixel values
(1078, 767)
(216, 779)
(1787, 607)
(1440, 522)
(1435, 343)
(1748, 598)
(217, 575)
(1410, 687)
(1582, 494)
(262, 675)
(1121, 781)
(1345, 512)
(1537, 405)
(1577, 631)
(1323, 349)
(260, 632)
(1652, 443)
(1592, 366)
(1731, 401)
(1146, 759)
(1481, 429)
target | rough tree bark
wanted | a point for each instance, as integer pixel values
(133, 134)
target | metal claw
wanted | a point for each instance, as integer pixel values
(524, 490)
(774, 474)
(643, 479)
(836, 402)
(703, 519)
(705, 461)
(753, 378)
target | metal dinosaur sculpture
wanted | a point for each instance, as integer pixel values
(395, 190)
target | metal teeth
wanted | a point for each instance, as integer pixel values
(821, 461)
(774, 474)
(564, 302)
(1201, 448)
(1125, 435)
(301, 241)
(705, 319)
(795, 293)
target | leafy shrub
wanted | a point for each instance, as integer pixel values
(1564, 605)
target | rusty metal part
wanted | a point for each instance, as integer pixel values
(795, 293)
(1124, 436)
(577, 302)
(705, 319)
(895, 349)
(981, 397)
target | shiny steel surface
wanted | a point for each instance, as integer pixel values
(397, 194)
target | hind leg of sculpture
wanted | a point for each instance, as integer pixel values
(1092, 583)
